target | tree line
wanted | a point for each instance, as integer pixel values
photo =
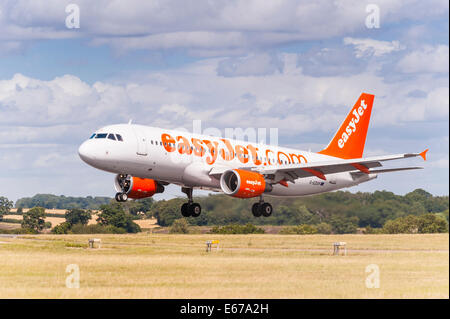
(336, 212)
(50, 201)
(345, 211)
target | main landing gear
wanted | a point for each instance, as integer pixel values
(262, 208)
(190, 209)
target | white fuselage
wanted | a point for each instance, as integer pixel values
(188, 159)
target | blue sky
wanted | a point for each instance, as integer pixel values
(297, 66)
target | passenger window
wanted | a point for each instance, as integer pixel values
(92, 136)
(111, 137)
(103, 135)
(119, 137)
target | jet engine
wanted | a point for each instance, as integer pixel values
(243, 184)
(135, 187)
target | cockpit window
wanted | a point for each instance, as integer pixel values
(111, 136)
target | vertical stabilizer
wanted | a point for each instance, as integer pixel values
(349, 140)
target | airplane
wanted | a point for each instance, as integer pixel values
(146, 159)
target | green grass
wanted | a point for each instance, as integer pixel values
(246, 266)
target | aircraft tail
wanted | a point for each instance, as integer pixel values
(349, 140)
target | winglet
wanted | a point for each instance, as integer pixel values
(424, 154)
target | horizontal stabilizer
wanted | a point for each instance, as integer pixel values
(386, 170)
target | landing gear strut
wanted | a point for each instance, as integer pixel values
(261, 208)
(190, 209)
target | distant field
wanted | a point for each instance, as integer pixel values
(54, 220)
(47, 211)
(247, 266)
(143, 223)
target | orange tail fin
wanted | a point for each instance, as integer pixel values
(349, 140)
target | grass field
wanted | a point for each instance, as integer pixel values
(246, 266)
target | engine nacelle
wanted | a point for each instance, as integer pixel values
(243, 184)
(136, 187)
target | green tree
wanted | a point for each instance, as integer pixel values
(237, 229)
(78, 216)
(114, 214)
(140, 206)
(63, 228)
(166, 212)
(5, 206)
(306, 229)
(402, 225)
(62, 202)
(179, 226)
(324, 228)
(34, 219)
(344, 225)
(426, 223)
(431, 223)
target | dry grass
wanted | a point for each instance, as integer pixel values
(9, 226)
(247, 266)
(147, 223)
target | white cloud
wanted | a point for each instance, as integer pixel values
(364, 47)
(252, 65)
(203, 28)
(428, 59)
(440, 163)
(330, 62)
(68, 109)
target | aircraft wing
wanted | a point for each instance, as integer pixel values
(290, 172)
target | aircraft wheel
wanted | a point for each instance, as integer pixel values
(266, 209)
(121, 197)
(195, 209)
(185, 210)
(256, 210)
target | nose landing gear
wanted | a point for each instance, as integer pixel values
(190, 209)
(123, 184)
(121, 197)
(262, 208)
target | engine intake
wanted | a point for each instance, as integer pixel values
(136, 187)
(243, 184)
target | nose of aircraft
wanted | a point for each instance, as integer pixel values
(86, 151)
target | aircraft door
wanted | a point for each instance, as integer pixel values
(141, 142)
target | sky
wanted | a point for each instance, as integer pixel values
(297, 66)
